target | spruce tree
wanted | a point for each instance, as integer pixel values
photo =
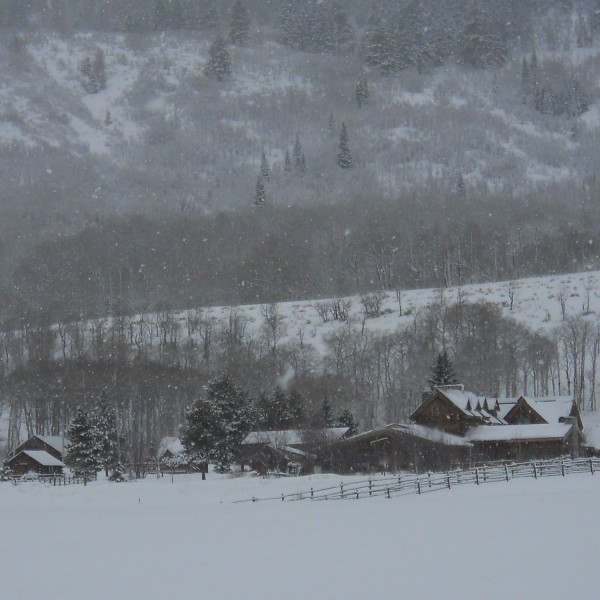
(216, 424)
(240, 24)
(344, 158)
(442, 371)
(99, 70)
(104, 421)
(218, 65)
(297, 152)
(260, 195)
(82, 454)
(346, 419)
(265, 169)
(287, 162)
(362, 92)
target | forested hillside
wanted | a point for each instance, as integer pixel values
(184, 153)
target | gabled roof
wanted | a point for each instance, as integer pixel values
(42, 458)
(519, 433)
(551, 409)
(468, 403)
(54, 441)
(292, 437)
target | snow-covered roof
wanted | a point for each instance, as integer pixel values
(54, 441)
(506, 433)
(291, 437)
(170, 444)
(43, 458)
(551, 408)
(468, 403)
(431, 434)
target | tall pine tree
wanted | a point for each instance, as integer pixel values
(443, 371)
(82, 455)
(344, 158)
(218, 65)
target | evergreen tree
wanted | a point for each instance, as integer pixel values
(525, 80)
(343, 32)
(99, 70)
(274, 411)
(216, 424)
(83, 449)
(302, 164)
(219, 62)
(482, 39)
(287, 162)
(260, 195)
(442, 372)
(344, 158)
(296, 409)
(326, 413)
(362, 92)
(240, 24)
(104, 421)
(265, 169)
(379, 48)
(297, 152)
(346, 419)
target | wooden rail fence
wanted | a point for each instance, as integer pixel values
(402, 485)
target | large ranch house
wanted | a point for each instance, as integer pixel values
(456, 428)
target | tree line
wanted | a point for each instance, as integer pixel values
(152, 368)
(138, 264)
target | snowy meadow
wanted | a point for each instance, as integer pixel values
(187, 538)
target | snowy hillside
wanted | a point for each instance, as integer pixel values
(157, 104)
(536, 302)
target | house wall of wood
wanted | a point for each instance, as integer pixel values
(23, 464)
(397, 452)
(520, 451)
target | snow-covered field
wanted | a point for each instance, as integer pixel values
(154, 539)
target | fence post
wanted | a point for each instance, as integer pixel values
(342, 489)
(388, 492)
(282, 498)
(429, 478)
(476, 475)
(592, 465)
(562, 467)
(370, 487)
(506, 469)
(357, 494)
(418, 487)
(312, 494)
(534, 470)
(448, 476)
